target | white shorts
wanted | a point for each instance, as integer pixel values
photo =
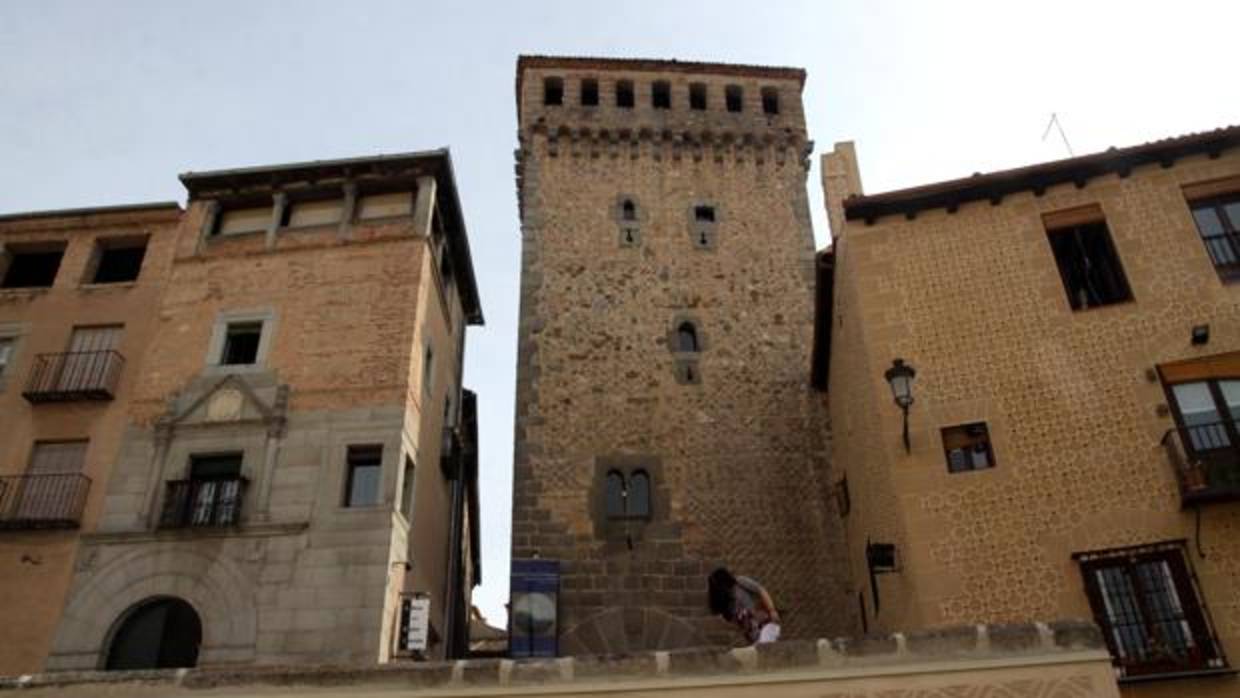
(768, 633)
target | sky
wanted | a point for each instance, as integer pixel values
(106, 102)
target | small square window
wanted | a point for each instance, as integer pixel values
(553, 92)
(365, 468)
(589, 92)
(1089, 266)
(624, 94)
(118, 261)
(704, 214)
(32, 267)
(967, 448)
(661, 95)
(241, 341)
(733, 97)
(697, 96)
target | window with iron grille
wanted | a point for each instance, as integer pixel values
(1148, 604)
(1218, 223)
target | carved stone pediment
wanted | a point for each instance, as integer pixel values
(235, 399)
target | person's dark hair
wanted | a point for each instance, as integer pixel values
(720, 594)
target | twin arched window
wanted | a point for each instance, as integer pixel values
(627, 497)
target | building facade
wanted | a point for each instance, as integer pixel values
(664, 415)
(1074, 328)
(77, 290)
(294, 453)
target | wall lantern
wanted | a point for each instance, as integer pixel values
(881, 559)
(900, 377)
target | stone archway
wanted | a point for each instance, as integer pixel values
(158, 633)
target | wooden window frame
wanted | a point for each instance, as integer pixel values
(1206, 654)
(1231, 232)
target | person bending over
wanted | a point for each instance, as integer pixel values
(744, 603)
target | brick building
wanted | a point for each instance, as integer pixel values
(287, 450)
(1074, 327)
(665, 419)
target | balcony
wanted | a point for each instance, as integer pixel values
(42, 501)
(203, 503)
(77, 375)
(1206, 458)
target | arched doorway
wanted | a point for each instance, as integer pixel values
(158, 633)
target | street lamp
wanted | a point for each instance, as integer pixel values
(900, 377)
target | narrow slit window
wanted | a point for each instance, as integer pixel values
(638, 500)
(589, 92)
(770, 100)
(697, 96)
(733, 97)
(6, 353)
(553, 92)
(624, 94)
(428, 369)
(406, 489)
(628, 210)
(614, 494)
(687, 337)
(1089, 266)
(241, 341)
(661, 95)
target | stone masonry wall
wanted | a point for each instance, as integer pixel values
(737, 458)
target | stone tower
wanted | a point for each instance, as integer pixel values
(665, 422)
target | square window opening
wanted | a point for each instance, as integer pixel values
(770, 101)
(364, 465)
(589, 92)
(553, 92)
(697, 96)
(661, 95)
(624, 94)
(1089, 266)
(118, 261)
(241, 341)
(733, 97)
(967, 448)
(704, 214)
(32, 267)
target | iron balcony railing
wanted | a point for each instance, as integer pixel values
(1206, 458)
(75, 375)
(203, 503)
(55, 500)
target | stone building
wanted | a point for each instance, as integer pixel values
(1072, 447)
(290, 451)
(665, 420)
(77, 290)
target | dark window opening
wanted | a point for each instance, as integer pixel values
(770, 100)
(362, 479)
(589, 93)
(614, 494)
(661, 95)
(624, 94)
(628, 210)
(1089, 266)
(241, 341)
(118, 262)
(159, 634)
(704, 214)
(638, 500)
(406, 490)
(733, 97)
(33, 268)
(553, 92)
(967, 448)
(697, 96)
(686, 337)
(1147, 604)
(1218, 223)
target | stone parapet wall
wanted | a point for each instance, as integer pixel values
(1064, 658)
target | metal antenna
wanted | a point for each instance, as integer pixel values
(1054, 123)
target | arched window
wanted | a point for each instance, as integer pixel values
(628, 210)
(686, 337)
(614, 494)
(162, 633)
(639, 495)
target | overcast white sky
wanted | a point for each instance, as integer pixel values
(106, 102)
